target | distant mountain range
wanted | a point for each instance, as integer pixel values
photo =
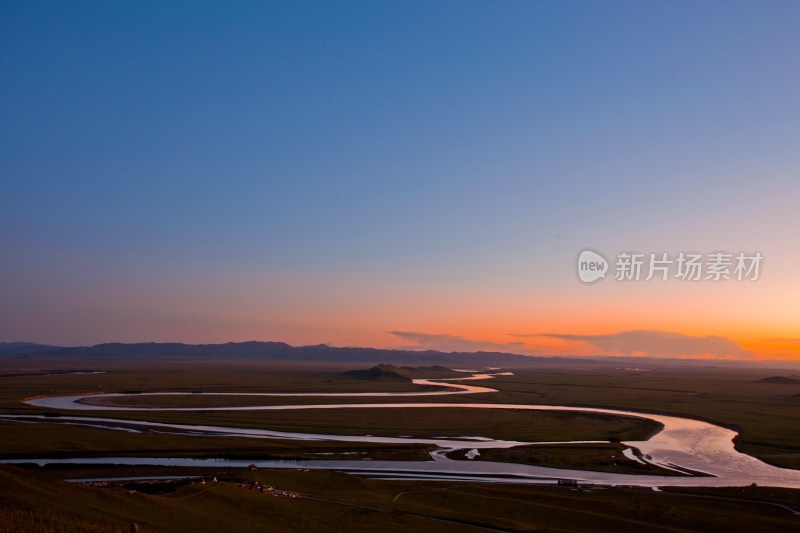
(269, 351)
(23, 348)
(280, 351)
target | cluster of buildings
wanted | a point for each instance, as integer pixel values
(268, 489)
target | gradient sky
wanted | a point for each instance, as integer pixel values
(395, 174)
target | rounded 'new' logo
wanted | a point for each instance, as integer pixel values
(591, 266)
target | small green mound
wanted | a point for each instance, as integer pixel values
(379, 372)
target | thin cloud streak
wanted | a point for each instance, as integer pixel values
(650, 343)
(453, 343)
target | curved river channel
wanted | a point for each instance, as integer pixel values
(701, 453)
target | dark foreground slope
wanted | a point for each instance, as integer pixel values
(330, 501)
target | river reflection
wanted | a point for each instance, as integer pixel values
(688, 444)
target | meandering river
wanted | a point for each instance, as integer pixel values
(683, 444)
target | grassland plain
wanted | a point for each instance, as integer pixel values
(767, 415)
(425, 423)
(600, 457)
(37, 440)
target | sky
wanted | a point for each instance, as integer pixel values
(400, 174)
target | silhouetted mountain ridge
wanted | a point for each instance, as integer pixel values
(23, 348)
(280, 351)
(266, 351)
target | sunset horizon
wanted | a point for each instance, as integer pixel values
(632, 344)
(455, 216)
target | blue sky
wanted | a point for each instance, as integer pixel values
(216, 149)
